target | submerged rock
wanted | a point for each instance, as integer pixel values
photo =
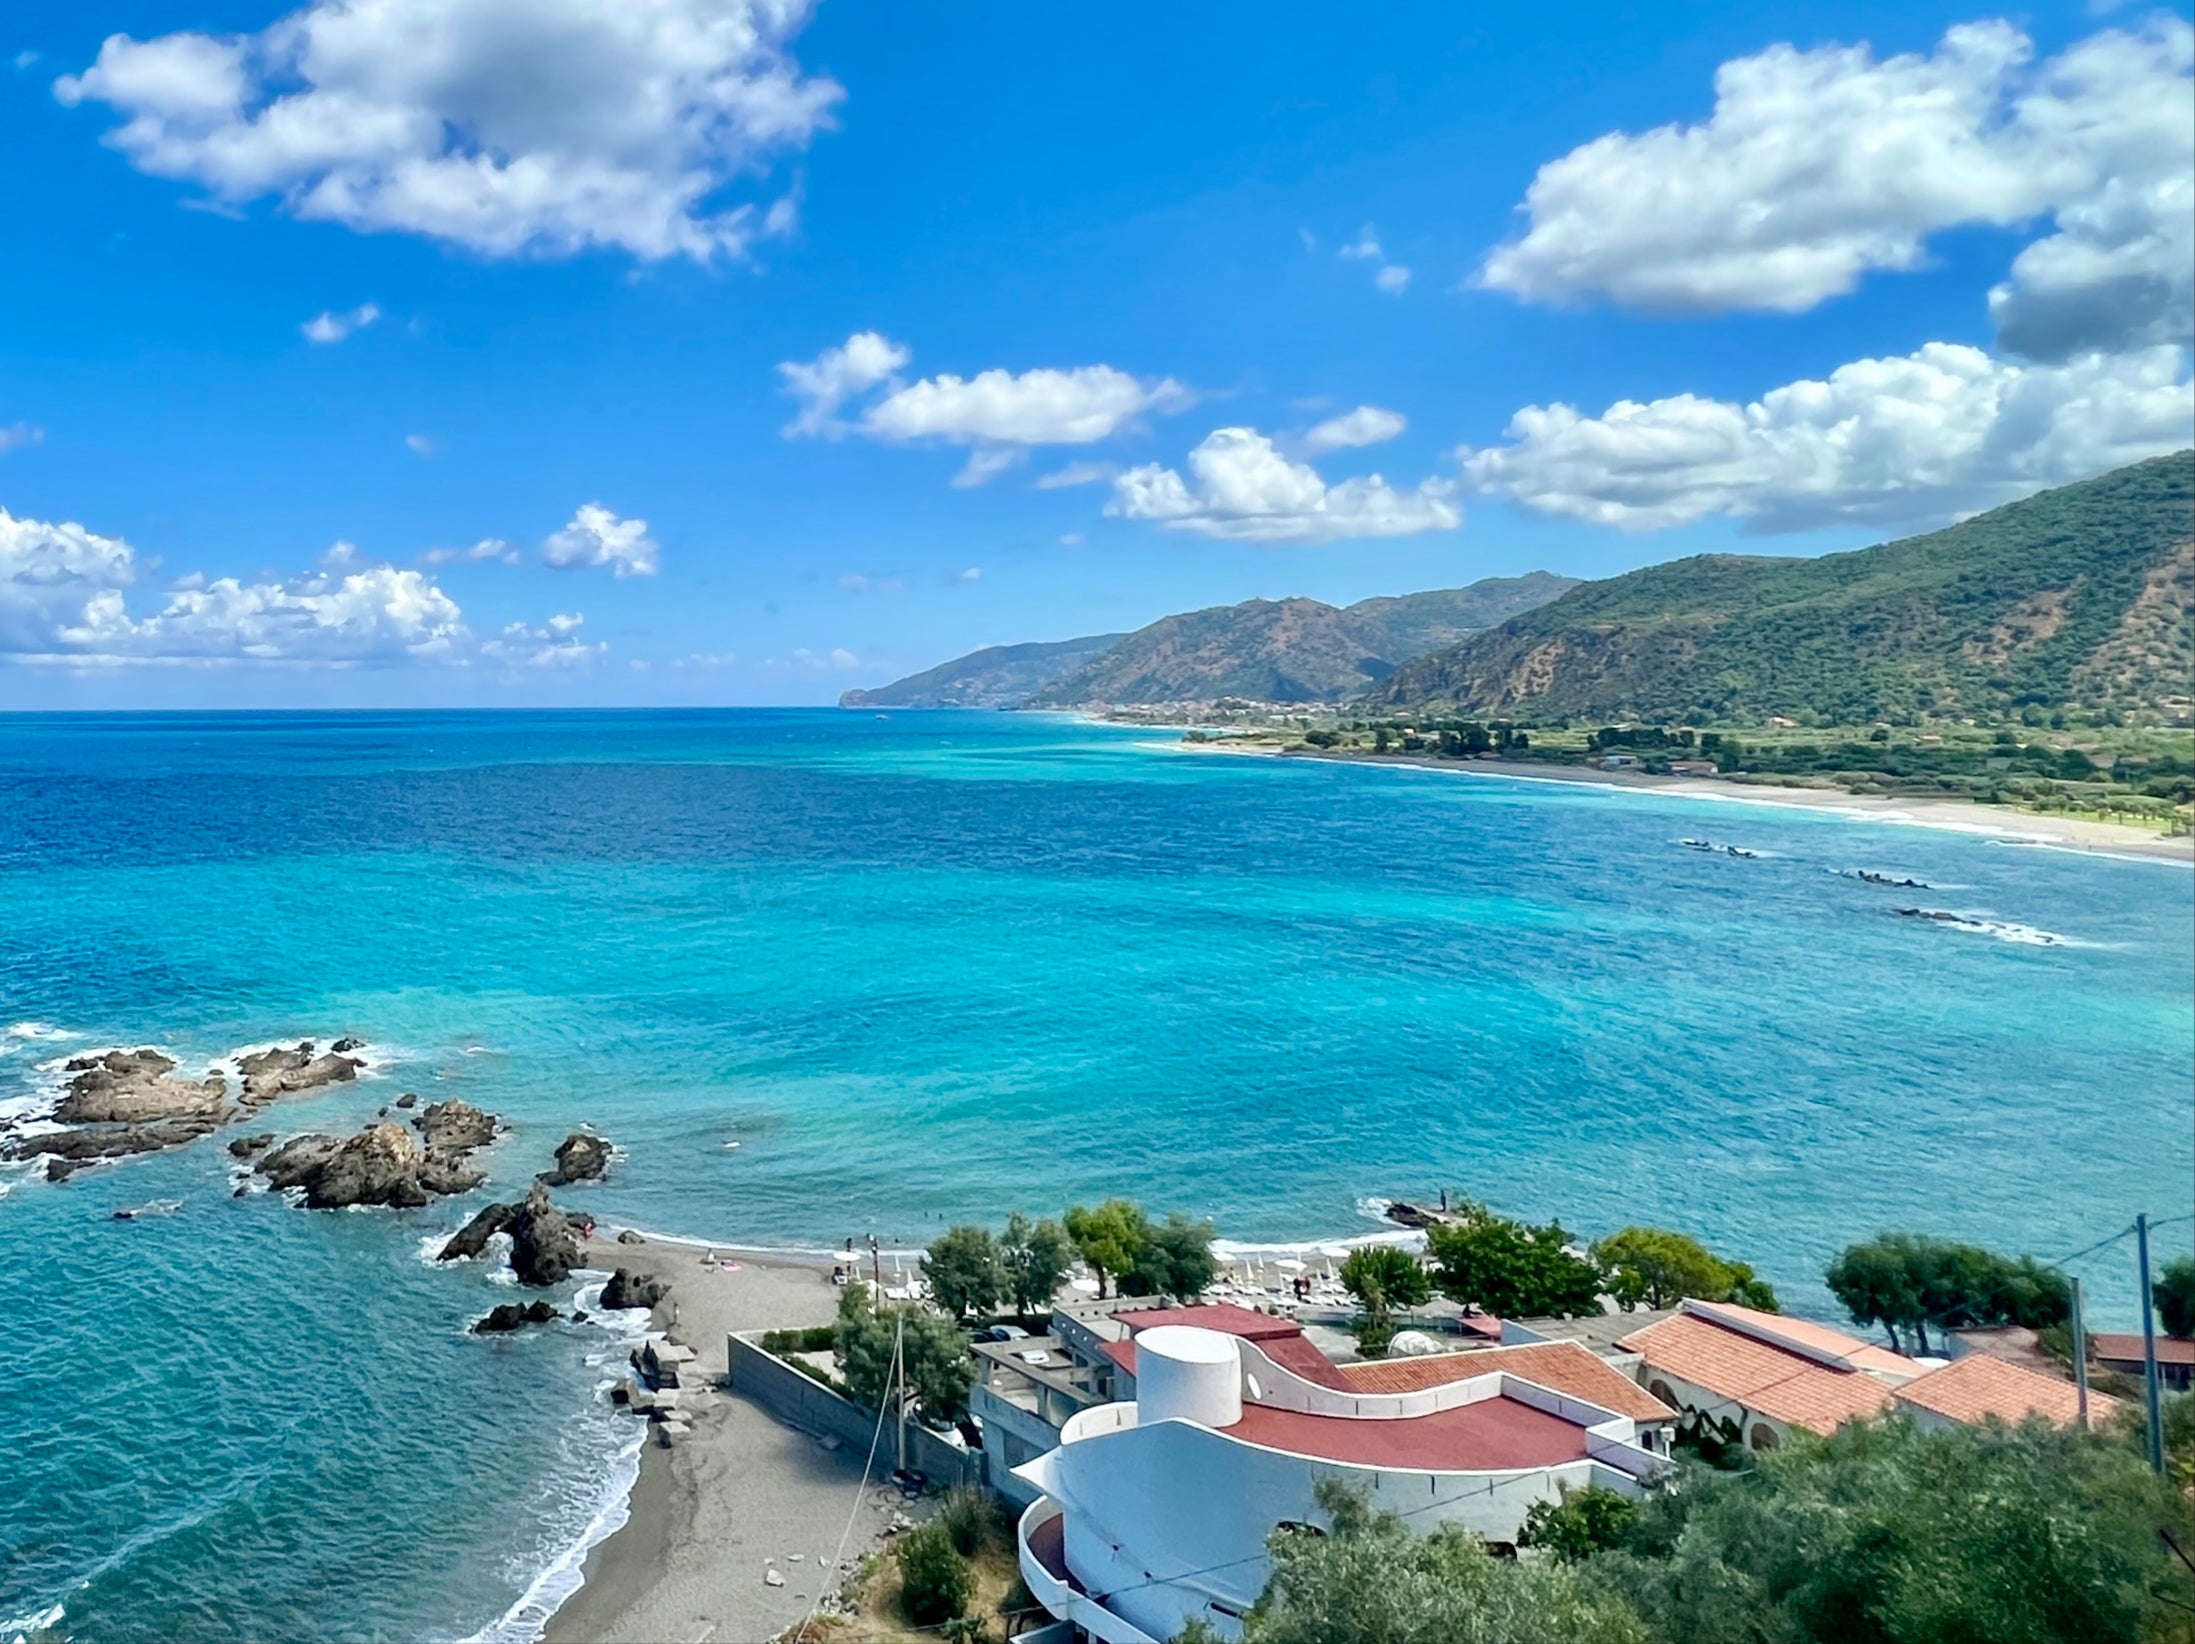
(512, 1315)
(579, 1158)
(544, 1243)
(629, 1289)
(408, 1099)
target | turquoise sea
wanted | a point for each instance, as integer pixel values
(924, 968)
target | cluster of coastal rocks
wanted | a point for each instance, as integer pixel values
(120, 1102)
(382, 1164)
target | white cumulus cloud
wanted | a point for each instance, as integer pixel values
(1366, 425)
(1916, 439)
(480, 553)
(553, 644)
(1818, 166)
(1000, 415)
(331, 327)
(504, 126)
(837, 375)
(597, 537)
(20, 433)
(1394, 279)
(372, 617)
(47, 572)
(1241, 489)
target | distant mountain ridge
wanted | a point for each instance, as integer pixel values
(1288, 650)
(2078, 597)
(999, 676)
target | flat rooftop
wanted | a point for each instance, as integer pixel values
(1496, 1433)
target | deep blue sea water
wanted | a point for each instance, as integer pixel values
(923, 968)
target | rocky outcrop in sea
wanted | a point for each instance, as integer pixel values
(579, 1158)
(506, 1316)
(544, 1240)
(383, 1164)
(119, 1102)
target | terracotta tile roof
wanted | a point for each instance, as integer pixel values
(2127, 1348)
(1809, 1336)
(1560, 1366)
(1774, 1381)
(1978, 1386)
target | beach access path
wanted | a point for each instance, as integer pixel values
(1959, 815)
(740, 1495)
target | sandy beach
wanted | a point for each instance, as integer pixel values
(1958, 815)
(742, 1494)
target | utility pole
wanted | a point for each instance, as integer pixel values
(2080, 1355)
(2149, 1351)
(876, 1263)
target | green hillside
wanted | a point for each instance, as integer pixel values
(2077, 598)
(999, 676)
(1290, 650)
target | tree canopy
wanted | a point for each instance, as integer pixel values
(1174, 1259)
(1108, 1237)
(934, 1357)
(1887, 1535)
(1510, 1269)
(1034, 1257)
(1906, 1282)
(963, 1271)
(2174, 1293)
(1372, 1580)
(1651, 1267)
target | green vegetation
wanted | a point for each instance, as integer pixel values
(963, 1271)
(1035, 1257)
(2173, 1291)
(1108, 1237)
(935, 1579)
(1374, 1580)
(1383, 1278)
(1906, 1282)
(1650, 1267)
(2076, 599)
(935, 1364)
(1880, 1535)
(1885, 1535)
(1174, 1259)
(1580, 1524)
(819, 1338)
(1510, 1269)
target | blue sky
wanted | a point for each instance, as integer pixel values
(1857, 269)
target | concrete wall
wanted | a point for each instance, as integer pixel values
(802, 1402)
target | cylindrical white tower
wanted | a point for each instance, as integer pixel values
(1188, 1374)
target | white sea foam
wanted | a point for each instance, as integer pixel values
(20, 1629)
(526, 1619)
(2003, 930)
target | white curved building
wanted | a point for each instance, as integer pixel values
(1156, 1512)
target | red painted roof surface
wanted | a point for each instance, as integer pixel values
(1225, 1317)
(1491, 1434)
(1774, 1381)
(1281, 1340)
(1560, 1366)
(2127, 1348)
(1804, 1333)
(1978, 1386)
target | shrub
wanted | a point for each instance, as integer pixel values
(935, 1581)
(970, 1518)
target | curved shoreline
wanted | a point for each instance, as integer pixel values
(2114, 841)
